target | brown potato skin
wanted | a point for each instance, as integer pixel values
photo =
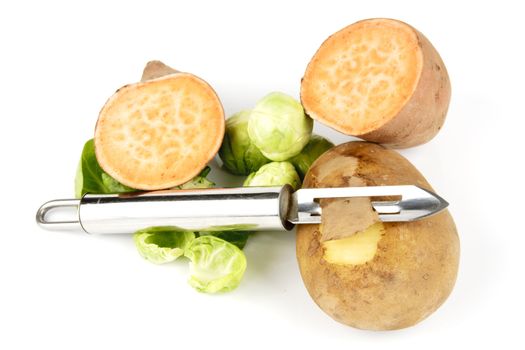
(424, 114)
(416, 263)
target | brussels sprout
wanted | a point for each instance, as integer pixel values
(238, 153)
(216, 265)
(199, 181)
(317, 146)
(274, 174)
(162, 244)
(279, 127)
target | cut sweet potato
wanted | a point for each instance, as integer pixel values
(380, 80)
(159, 133)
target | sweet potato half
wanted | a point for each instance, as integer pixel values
(161, 132)
(378, 79)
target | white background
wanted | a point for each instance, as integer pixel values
(59, 62)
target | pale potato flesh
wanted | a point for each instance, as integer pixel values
(356, 249)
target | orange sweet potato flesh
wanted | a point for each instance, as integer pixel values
(378, 79)
(150, 135)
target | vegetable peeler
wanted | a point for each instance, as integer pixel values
(222, 209)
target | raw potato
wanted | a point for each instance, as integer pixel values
(389, 275)
(378, 79)
(150, 135)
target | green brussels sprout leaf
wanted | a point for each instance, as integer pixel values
(162, 244)
(238, 153)
(199, 181)
(238, 238)
(279, 127)
(274, 174)
(90, 177)
(216, 265)
(313, 149)
(113, 186)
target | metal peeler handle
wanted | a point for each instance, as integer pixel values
(66, 208)
(239, 209)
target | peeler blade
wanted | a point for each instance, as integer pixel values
(414, 202)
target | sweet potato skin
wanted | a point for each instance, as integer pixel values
(156, 69)
(424, 114)
(417, 121)
(415, 265)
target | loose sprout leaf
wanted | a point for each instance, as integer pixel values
(216, 265)
(113, 186)
(238, 153)
(90, 177)
(162, 244)
(89, 173)
(313, 150)
(204, 172)
(274, 174)
(238, 238)
(199, 181)
(79, 181)
(278, 126)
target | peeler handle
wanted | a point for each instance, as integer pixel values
(216, 209)
(60, 214)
